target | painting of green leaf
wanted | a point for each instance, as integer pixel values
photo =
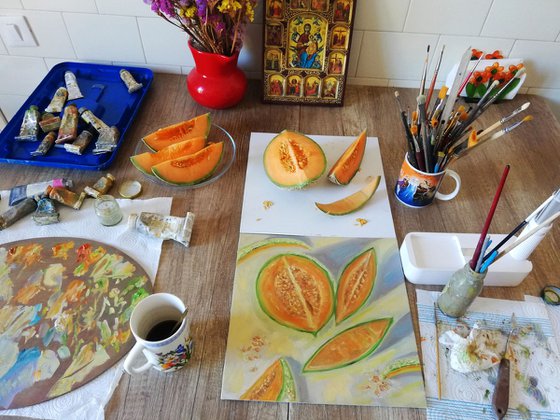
(64, 310)
(321, 322)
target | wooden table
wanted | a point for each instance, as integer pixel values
(202, 275)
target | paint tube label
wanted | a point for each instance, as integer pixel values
(69, 125)
(45, 145)
(129, 81)
(30, 125)
(92, 119)
(72, 86)
(58, 100)
(21, 192)
(80, 144)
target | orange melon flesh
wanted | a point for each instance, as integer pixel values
(350, 346)
(292, 160)
(195, 127)
(348, 164)
(355, 285)
(275, 384)
(190, 169)
(352, 202)
(145, 161)
(295, 291)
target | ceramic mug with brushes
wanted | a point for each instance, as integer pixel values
(416, 188)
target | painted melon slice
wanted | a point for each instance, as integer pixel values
(296, 291)
(347, 165)
(292, 160)
(255, 247)
(400, 367)
(351, 203)
(190, 169)
(355, 284)
(195, 127)
(275, 384)
(349, 347)
(145, 161)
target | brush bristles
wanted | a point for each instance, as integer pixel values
(527, 118)
(442, 92)
(421, 100)
(525, 106)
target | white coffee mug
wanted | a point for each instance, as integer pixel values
(167, 354)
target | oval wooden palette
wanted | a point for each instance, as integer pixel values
(64, 310)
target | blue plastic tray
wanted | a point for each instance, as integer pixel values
(113, 104)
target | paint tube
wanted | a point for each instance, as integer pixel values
(46, 213)
(66, 197)
(72, 86)
(102, 186)
(49, 122)
(30, 125)
(17, 212)
(58, 101)
(129, 81)
(93, 120)
(45, 145)
(80, 144)
(164, 227)
(69, 125)
(21, 192)
(107, 141)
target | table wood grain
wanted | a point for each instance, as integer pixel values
(202, 275)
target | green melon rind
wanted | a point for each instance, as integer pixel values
(288, 391)
(140, 168)
(372, 249)
(350, 362)
(400, 364)
(263, 306)
(303, 184)
(246, 251)
(156, 173)
(209, 126)
(352, 210)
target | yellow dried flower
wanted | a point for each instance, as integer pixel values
(190, 12)
(249, 11)
(229, 6)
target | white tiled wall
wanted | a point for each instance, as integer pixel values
(388, 44)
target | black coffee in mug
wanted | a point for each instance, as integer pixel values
(162, 330)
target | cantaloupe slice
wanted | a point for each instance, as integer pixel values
(195, 127)
(352, 202)
(145, 161)
(275, 384)
(347, 165)
(349, 347)
(293, 160)
(190, 169)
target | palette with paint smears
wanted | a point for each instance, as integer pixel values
(65, 306)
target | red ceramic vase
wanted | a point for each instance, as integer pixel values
(216, 81)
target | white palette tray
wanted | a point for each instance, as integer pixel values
(431, 258)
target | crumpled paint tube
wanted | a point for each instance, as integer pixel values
(161, 226)
(30, 125)
(80, 144)
(129, 81)
(69, 125)
(66, 197)
(58, 100)
(107, 141)
(93, 120)
(17, 212)
(49, 122)
(46, 213)
(21, 192)
(72, 86)
(45, 145)
(102, 186)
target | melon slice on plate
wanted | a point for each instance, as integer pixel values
(352, 202)
(347, 165)
(145, 161)
(195, 127)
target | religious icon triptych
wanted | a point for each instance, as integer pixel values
(306, 50)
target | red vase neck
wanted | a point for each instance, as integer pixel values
(212, 64)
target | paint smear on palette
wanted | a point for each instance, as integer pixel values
(64, 310)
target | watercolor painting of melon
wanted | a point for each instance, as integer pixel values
(321, 320)
(64, 310)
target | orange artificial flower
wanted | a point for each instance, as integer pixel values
(496, 55)
(479, 77)
(495, 68)
(475, 54)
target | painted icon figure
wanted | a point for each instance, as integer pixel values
(307, 48)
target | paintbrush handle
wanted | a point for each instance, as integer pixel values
(489, 218)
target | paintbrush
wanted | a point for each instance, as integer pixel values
(424, 72)
(421, 101)
(437, 353)
(410, 141)
(454, 91)
(434, 77)
(492, 99)
(503, 120)
(440, 102)
(484, 232)
(417, 150)
(470, 74)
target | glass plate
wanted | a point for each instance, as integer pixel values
(216, 135)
